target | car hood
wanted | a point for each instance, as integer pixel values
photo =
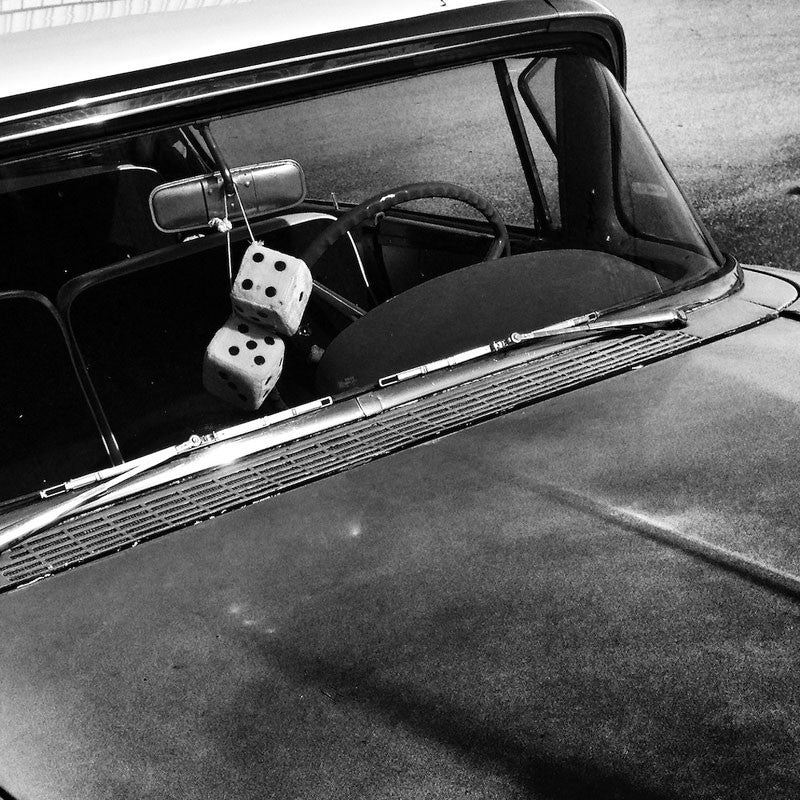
(488, 614)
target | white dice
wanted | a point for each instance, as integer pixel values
(271, 289)
(243, 363)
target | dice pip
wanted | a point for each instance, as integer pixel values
(243, 363)
(271, 289)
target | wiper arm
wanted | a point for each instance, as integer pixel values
(658, 320)
(586, 325)
(18, 531)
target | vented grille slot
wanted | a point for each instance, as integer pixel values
(84, 537)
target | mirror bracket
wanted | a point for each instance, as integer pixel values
(219, 159)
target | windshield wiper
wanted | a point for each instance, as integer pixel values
(17, 531)
(585, 325)
(106, 481)
(109, 479)
(658, 320)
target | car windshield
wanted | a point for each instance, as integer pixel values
(532, 194)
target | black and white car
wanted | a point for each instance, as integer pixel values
(255, 255)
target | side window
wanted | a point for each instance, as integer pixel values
(448, 126)
(650, 202)
(73, 212)
(49, 432)
(598, 168)
(535, 84)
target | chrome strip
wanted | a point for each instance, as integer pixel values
(326, 54)
(84, 106)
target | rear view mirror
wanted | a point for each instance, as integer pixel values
(191, 203)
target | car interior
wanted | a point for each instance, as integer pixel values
(108, 315)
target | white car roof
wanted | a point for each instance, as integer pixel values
(77, 70)
(47, 43)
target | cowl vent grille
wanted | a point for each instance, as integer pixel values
(159, 511)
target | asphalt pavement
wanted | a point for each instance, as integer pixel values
(717, 83)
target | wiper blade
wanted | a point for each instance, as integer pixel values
(585, 325)
(108, 480)
(17, 531)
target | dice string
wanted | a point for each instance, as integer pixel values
(247, 225)
(230, 258)
(228, 246)
(226, 226)
(244, 214)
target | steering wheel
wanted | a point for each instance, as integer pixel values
(382, 202)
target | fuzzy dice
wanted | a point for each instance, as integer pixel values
(243, 363)
(271, 289)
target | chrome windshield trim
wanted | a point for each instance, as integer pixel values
(217, 75)
(89, 110)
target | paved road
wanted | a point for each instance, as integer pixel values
(717, 82)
